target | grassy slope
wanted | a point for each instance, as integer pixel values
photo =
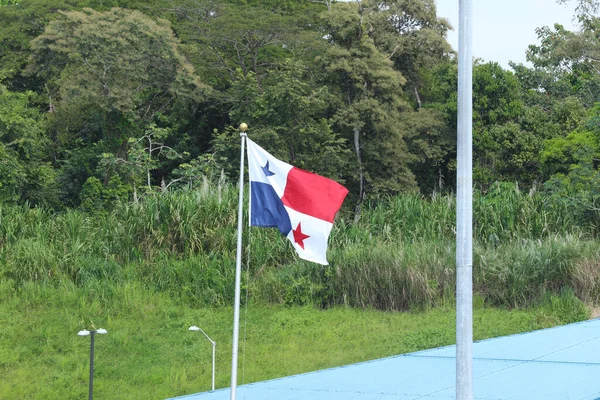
(149, 353)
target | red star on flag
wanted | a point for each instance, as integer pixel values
(299, 236)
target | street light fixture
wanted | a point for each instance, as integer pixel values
(91, 333)
(214, 345)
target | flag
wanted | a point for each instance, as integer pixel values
(302, 205)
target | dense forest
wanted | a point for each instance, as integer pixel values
(115, 100)
(119, 148)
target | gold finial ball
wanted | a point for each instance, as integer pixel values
(243, 127)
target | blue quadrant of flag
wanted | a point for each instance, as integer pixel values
(267, 209)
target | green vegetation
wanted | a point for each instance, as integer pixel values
(398, 256)
(117, 100)
(118, 149)
(149, 353)
(147, 270)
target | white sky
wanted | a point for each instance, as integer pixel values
(502, 29)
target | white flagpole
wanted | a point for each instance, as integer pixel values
(238, 270)
(464, 207)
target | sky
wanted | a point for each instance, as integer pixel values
(503, 29)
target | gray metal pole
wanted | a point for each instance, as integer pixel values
(238, 274)
(464, 207)
(91, 395)
(213, 372)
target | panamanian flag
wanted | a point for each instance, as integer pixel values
(302, 205)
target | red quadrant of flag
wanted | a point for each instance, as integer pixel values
(313, 195)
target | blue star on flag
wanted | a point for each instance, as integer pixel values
(266, 170)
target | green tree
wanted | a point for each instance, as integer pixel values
(116, 61)
(109, 76)
(97, 197)
(496, 103)
(436, 167)
(511, 121)
(224, 37)
(144, 156)
(25, 173)
(401, 30)
(369, 105)
(412, 36)
(572, 58)
(286, 114)
(24, 20)
(433, 144)
(562, 154)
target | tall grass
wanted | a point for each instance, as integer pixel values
(393, 276)
(399, 255)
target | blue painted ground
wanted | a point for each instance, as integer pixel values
(560, 363)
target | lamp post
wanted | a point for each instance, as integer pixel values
(214, 346)
(91, 333)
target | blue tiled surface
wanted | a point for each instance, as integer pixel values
(560, 363)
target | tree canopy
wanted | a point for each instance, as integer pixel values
(106, 100)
